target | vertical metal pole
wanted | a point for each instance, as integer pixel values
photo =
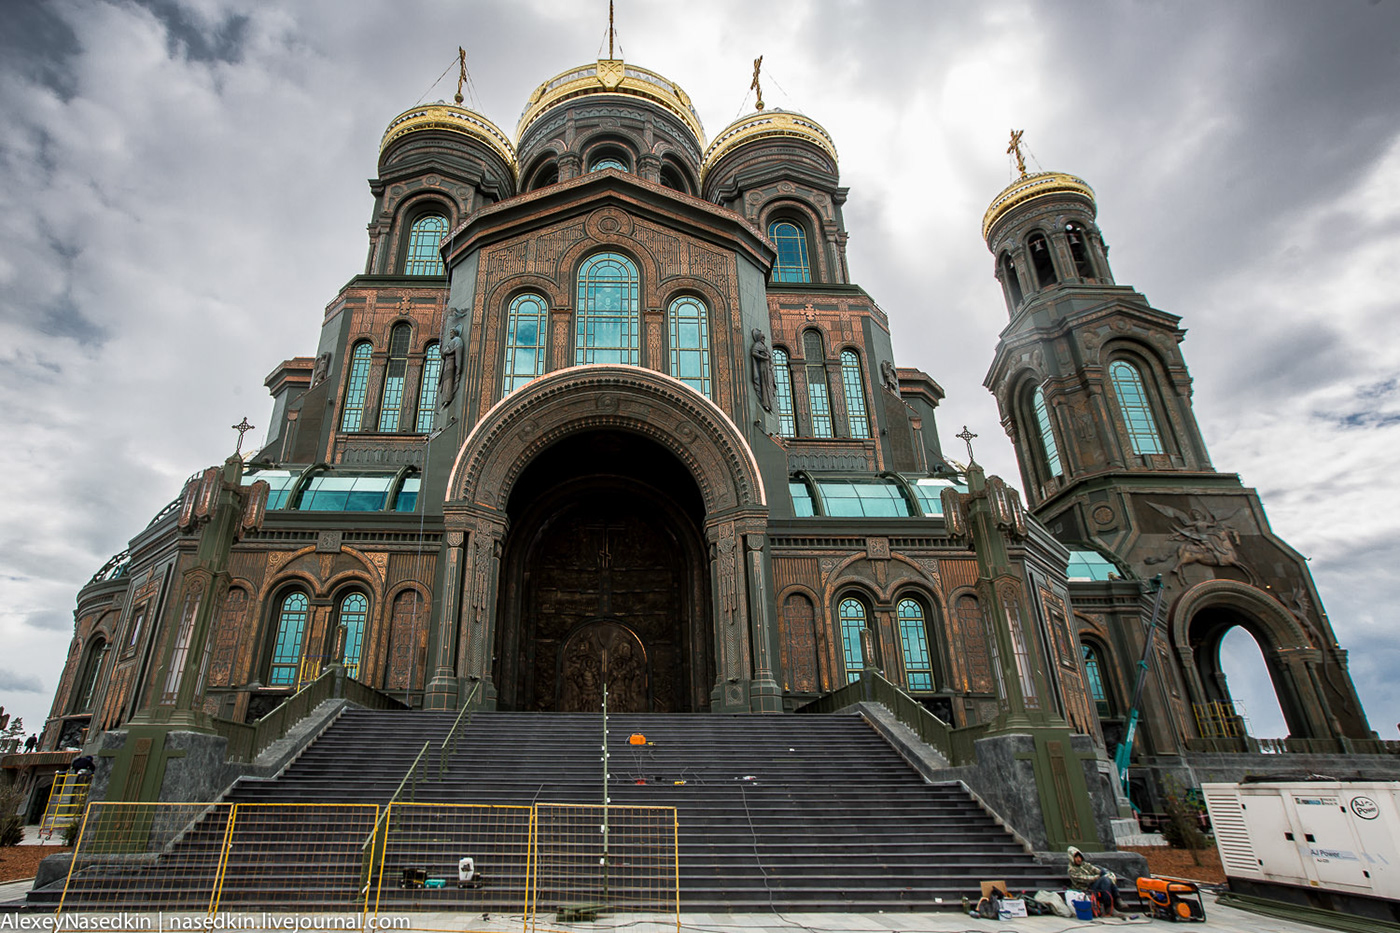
(606, 798)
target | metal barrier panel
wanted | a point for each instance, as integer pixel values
(468, 859)
(591, 859)
(305, 857)
(147, 856)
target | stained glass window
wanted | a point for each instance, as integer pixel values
(854, 387)
(423, 238)
(818, 402)
(606, 327)
(913, 636)
(527, 324)
(852, 613)
(1137, 413)
(791, 241)
(394, 373)
(354, 609)
(690, 343)
(1047, 433)
(427, 388)
(286, 651)
(782, 375)
(356, 388)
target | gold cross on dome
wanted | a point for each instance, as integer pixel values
(242, 427)
(461, 73)
(754, 85)
(967, 437)
(1015, 148)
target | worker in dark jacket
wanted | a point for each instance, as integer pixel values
(1086, 876)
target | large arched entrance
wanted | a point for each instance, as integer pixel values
(605, 582)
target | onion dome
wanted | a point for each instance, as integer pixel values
(611, 76)
(452, 119)
(767, 125)
(1030, 187)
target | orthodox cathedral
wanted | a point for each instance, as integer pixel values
(605, 408)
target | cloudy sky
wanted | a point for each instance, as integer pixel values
(182, 189)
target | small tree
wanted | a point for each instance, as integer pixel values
(1183, 828)
(12, 735)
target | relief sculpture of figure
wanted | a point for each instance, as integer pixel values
(452, 352)
(322, 367)
(1201, 539)
(761, 370)
(888, 376)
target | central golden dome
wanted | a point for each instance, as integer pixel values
(1029, 187)
(611, 76)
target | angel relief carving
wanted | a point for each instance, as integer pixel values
(1201, 538)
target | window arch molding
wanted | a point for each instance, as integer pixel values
(520, 360)
(850, 650)
(542, 171)
(1153, 376)
(1041, 455)
(609, 145)
(356, 619)
(409, 213)
(285, 627)
(934, 666)
(806, 220)
(675, 164)
(1040, 260)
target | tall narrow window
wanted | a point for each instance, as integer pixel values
(87, 685)
(1012, 280)
(791, 241)
(1137, 413)
(286, 650)
(356, 388)
(782, 375)
(1078, 248)
(1093, 673)
(690, 343)
(427, 389)
(818, 401)
(854, 387)
(606, 327)
(526, 327)
(423, 257)
(913, 637)
(1040, 260)
(353, 611)
(853, 622)
(394, 373)
(1047, 433)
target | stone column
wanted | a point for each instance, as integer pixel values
(765, 694)
(732, 664)
(480, 586)
(442, 690)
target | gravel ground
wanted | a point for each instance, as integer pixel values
(1177, 863)
(20, 862)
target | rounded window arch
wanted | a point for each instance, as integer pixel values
(782, 376)
(1096, 677)
(544, 173)
(395, 371)
(912, 616)
(1011, 280)
(293, 613)
(1135, 405)
(425, 233)
(1041, 260)
(86, 684)
(527, 327)
(352, 612)
(428, 387)
(675, 177)
(1078, 239)
(356, 387)
(607, 320)
(609, 155)
(853, 386)
(818, 394)
(853, 617)
(793, 263)
(1045, 430)
(688, 324)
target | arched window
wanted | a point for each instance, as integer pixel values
(356, 387)
(606, 326)
(672, 177)
(286, 649)
(1040, 260)
(791, 241)
(427, 388)
(913, 638)
(854, 387)
(818, 401)
(1012, 280)
(354, 609)
(1137, 412)
(1098, 688)
(392, 398)
(782, 375)
(87, 683)
(1078, 249)
(1047, 433)
(423, 257)
(526, 327)
(608, 160)
(853, 622)
(547, 174)
(690, 343)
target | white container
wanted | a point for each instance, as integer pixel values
(1327, 835)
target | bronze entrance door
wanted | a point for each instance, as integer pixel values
(605, 585)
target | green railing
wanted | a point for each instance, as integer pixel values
(247, 740)
(956, 745)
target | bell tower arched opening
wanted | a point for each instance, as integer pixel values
(605, 579)
(1215, 634)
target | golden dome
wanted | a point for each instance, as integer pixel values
(453, 119)
(1029, 187)
(611, 76)
(763, 124)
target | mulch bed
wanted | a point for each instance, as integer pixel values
(19, 863)
(1177, 863)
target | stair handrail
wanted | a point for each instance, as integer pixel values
(376, 840)
(454, 734)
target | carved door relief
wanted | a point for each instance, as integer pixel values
(603, 652)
